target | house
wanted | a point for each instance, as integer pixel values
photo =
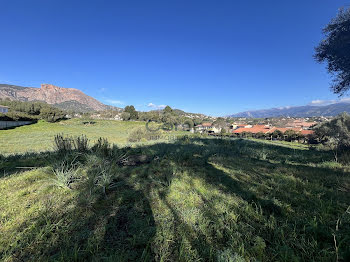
(118, 117)
(203, 127)
(4, 109)
(265, 129)
(215, 130)
(252, 129)
(301, 123)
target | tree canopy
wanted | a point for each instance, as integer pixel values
(335, 134)
(335, 51)
(31, 111)
(132, 111)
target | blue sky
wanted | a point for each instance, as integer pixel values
(214, 57)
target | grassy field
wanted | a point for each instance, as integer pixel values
(196, 199)
(39, 137)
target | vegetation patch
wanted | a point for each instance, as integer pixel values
(196, 199)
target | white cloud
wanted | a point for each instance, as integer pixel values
(156, 106)
(284, 107)
(102, 89)
(114, 102)
(345, 100)
(319, 102)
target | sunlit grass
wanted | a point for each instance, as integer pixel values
(39, 137)
(196, 200)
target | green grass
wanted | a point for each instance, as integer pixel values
(39, 137)
(195, 200)
(294, 145)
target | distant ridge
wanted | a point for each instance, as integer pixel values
(64, 98)
(297, 111)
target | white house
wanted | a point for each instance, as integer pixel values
(216, 130)
(4, 109)
(203, 127)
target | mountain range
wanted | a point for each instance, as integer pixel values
(63, 98)
(76, 100)
(298, 111)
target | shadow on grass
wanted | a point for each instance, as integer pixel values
(281, 211)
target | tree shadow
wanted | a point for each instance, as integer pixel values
(121, 225)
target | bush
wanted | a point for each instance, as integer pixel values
(139, 134)
(102, 147)
(335, 134)
(67, 144)
(51, 114)
(81, 143)
(17, 116)
(27, 111)
(63, 144)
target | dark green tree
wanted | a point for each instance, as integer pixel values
(220, 122)
(51, 114)
(188, 124)
(335, 134)
(125, 116)
(291, 135)
(168, 110)
(277, 134)
(132, 111)
(335, 50)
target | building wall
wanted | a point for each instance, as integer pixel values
(3, 110)
(9, 124)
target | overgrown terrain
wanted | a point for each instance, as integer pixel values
(195, 199)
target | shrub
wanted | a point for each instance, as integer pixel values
(17, 116)
(139, 134)
(81, 143)
(51, 114)
(63, 144)
(67, 144)
(102, 147)
(125, 116)
(335, 134)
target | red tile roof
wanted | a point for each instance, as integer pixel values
(206, 124)
(268, 130)
(254, 130)
(302, 124)
(284, 129)
(307, 132)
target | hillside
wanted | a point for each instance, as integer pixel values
(64, 98)
(297, 111)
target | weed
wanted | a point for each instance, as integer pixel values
(102, 147)
(63, 144)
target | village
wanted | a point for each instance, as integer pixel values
(289, 129)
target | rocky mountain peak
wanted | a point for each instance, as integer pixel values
(51, 94)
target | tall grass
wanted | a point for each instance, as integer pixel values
(65, 144)
(193, 200)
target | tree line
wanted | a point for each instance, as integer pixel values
(167, 116)
(30, 111)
